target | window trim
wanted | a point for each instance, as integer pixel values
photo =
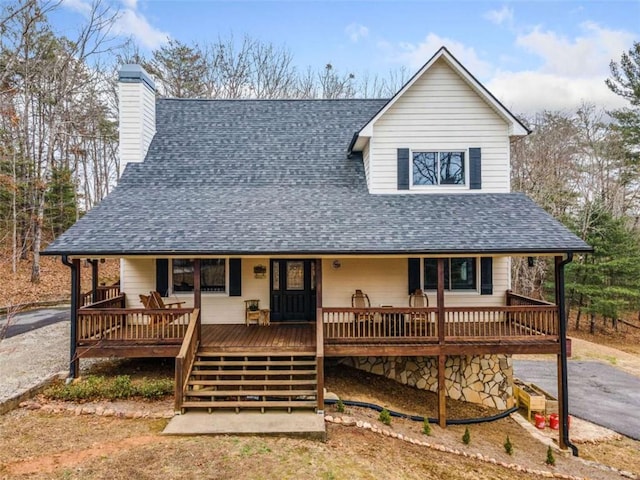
(202, 292)
(477, 282)
(439, 186)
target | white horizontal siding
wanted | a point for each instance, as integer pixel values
(440, 112)
(384, 280)
(137, 105)
(365, 160)
(137, 277)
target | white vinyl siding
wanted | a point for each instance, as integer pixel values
(440, 112)
(137, 277)
(384, 280)
(367, 166)
(137, 121)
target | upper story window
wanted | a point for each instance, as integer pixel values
(459, 273)
(438, 168)
(213, 275)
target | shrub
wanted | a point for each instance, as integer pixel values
(152, 389)
(385, 417)
(120, 387)
(508, 447)
(426, 427)
(551, 460)
(466, 438)
(340, 406)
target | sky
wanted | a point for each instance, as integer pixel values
(532, 55)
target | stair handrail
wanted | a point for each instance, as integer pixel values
(186, 358)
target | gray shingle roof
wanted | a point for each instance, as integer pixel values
(270, 177)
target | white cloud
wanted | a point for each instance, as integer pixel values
(505, 14)
(531, 91)
(356, 31)
(132, 4)
(81, 6)
(415, 56)
(584, 56)
(573, 70)
(132, 22)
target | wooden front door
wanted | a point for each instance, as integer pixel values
(293, 290)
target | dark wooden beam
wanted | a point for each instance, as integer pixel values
(128, 351)
(94, 280)
(75, 289)
(440, 301)
(319, 338)
(197, 288)
(442, 393)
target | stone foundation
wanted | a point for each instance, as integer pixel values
(482, 379)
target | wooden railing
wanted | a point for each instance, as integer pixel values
(104, 292)
(422, 324)
(499, 323)
(133, 324)
(186, 357)
(367, 324)
(514, 299)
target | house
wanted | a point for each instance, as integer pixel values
(298, 204)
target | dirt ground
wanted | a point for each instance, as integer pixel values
(39, 445)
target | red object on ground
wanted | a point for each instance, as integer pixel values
(554, 421)
(540, 421)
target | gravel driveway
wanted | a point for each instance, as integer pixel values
(27, 359)
(598, 392)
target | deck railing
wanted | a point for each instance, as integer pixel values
(514, 299)
(133, 324)
(186, 357)
(424, 325)
(365, 324)
(104, 292)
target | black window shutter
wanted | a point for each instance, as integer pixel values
(475, 169)
(235, 277)
(486, 276)
(162, 276)
(403, 169)
(414, 274)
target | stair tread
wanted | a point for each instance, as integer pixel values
(256, 403)
(244, 393)
(254, 372)
(253, 382)
(240, 363)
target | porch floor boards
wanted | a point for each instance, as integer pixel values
(275, 338)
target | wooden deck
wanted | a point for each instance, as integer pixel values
(276, 338)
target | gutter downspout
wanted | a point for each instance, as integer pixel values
(74, 315)
(563, 352)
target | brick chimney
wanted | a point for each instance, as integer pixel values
(137, 98)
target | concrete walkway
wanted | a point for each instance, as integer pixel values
(304, 424)
(598, 392)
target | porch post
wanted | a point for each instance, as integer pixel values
(442, 408)
(94, 280)
(319, 338)
(563, 398)
(197, 288)
(74, 266)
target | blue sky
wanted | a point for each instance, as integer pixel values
(531, 54)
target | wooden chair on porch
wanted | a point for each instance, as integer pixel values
(363, 320)
(157, 302)
(252, 312)
(419, 324)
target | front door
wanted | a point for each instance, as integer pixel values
(293, 290)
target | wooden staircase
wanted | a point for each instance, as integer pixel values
(252, 381)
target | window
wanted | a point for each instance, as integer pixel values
(213, 276)
(438, 168)
(459, 273)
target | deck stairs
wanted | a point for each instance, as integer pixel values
(259, 381)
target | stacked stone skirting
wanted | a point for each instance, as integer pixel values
(481, 379)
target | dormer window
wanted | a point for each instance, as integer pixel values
(438, 168)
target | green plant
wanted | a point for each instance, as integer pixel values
(466, 438)
(385, 417)
(426, 427)
(120, 387)
(551, 460)
(508, 447)
(340, 406)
